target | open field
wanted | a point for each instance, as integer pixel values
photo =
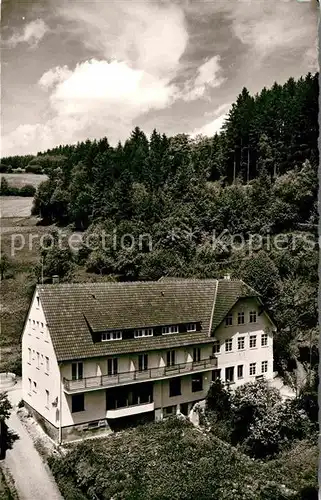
(19, 180)
(15, 206)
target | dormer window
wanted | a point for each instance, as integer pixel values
(145, 332)
(110, 336)
(191, 327)
(166, 330)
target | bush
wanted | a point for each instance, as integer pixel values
(34, 169)
(27, 190)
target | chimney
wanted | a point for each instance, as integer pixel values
(55, 279)
(227, 276)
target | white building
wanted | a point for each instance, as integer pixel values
(97, 355)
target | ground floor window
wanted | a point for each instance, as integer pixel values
(240, 371)
(216, 374)
(175, 387)
(77, 403)
(122, 397)
(197, 382)
(169, 410)
(229, 374)
(184, 409)
(252, 368)
(264, 366)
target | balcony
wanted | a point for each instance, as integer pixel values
(135, 376)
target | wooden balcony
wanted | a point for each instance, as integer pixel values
(135, 376)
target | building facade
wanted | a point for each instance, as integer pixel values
(98, 356)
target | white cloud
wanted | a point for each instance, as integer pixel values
(138, 47)
(97, 98)
(98, 87)
(211, 128)
(32, 33)
(54, 76)
(207, 77)
(152, 36)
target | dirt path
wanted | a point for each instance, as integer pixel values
(33, 479)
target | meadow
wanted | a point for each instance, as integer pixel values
(15, 206)
(19, 180)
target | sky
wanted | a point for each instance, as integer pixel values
(77, 69)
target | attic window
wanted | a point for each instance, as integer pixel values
(146, 332)
(111, 336)
(191, 327)
(38, 301)
(166, 330)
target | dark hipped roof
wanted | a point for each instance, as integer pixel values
(73, 311)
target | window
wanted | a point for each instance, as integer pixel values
(229, 320)
(196, 354)
(33, 324)
(38, 301)
(111, 336)
(77, 403)
(38, 360)
(47, 398)
(229, 374)
(252, 316)
(169, 329)
(240, 318)
(146, 332)
(37, 324)
(122, 397)
(30, 385)
(170, 358)
(47, 365)
(35, 387)
(216, 347)
(241, 343)
(41, 362)
(41, 325)
(240, 371)
(264, 367)
(197, 382)
(228, 345)
(112, 366)
(191, 327)
(142, 362)
(252, 341)
(216, 374)
(77, 371)
(252, 368)
(264, 339)
(174, 387)
(169, 410)
(29, 355)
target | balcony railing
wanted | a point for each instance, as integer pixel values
(101, 381)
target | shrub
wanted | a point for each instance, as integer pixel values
(27, 190)
(34, 169)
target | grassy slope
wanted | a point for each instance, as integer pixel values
(19, 180)
(15, 293)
